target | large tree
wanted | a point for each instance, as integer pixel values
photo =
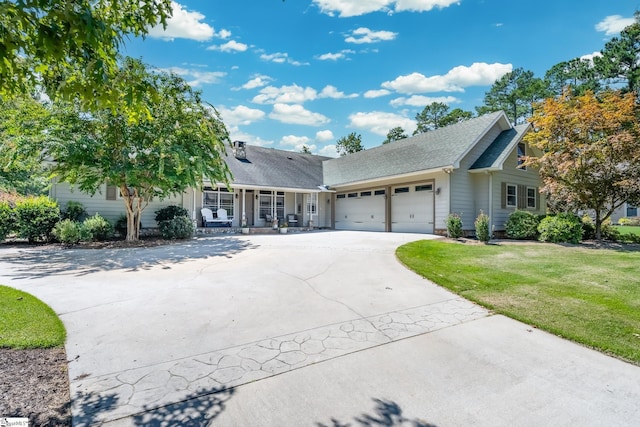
(578, 73)
(456, 115)
(431, 117)
(22, 130)
(395, 134)
(70, 47)
(183, 142)
(620, 60)
(590, 157)
(515, 93)
(349, 144)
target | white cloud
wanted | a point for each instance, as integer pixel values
(223, 34)
(589, 57)
(240, 115)
(230, 46)
(324, 135)
(293, 94)
(296, 142)
(183, 25)
(281, 58)
(196, 77)
(333, 92)
(365, 35)
(297, 114)
(346, 8)
(335, 56)
(376, 93)
(422, 101)
(478, 74)
(423, 5)
(328, 151)
(379, 122)
(256, 82)
(613, 24)
(235, 134)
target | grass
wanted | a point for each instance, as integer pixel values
(591, 296)
(27, 322)
(628, 229)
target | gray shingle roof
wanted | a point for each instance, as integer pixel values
(435, 149)
(495, 155)
(268, 167)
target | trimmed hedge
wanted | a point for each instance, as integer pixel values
(36, 217)
(100, 228)
(522, 225)
(179, 227)
(7, 220)
(454, 226)
(564, 227)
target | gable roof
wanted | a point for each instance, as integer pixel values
(443, 147)
(499, 150)
(268, 167)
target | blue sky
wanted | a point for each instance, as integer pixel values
(308, 72)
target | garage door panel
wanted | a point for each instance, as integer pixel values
(360, 213)
(412, 208)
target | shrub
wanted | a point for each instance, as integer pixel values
(121, 225)
(100, 228)
(75, 211)
(454, 226)
(560, 228)
(482, 227)
(7, 220)
(170, 212)
(179, 227)
(71, 232)
(630, 220)
(36, 217)
(522, 225)
(607, 231)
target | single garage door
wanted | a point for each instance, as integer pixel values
(412, 208)
(360, 210)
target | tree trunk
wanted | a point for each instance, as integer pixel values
(133, 205)
(598, 225)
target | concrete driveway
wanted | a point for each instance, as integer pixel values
(323, 328)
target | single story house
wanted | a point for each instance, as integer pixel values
(410, 185)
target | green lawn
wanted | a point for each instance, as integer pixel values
(591, 296)
(628, 229)
(27, 322)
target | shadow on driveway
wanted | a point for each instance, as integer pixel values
(387, 413)
(40, 263)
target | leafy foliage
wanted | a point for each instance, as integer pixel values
(36, 217)
(395, 134)
(71, 232)
(74, 211)
(515, 93)
(560, 228)
(522, 225)
(632, 220)
(179, 227)
(170, 212)
(608, 231)
(349, 144)
(590, 158)
(483, 233)
(182, 143)
(454, 226)
(580, 74)
(99, 228)
(431, 117)
(70, 47)
(7, 219)
(456, 115)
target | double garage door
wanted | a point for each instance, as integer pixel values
(411, 209)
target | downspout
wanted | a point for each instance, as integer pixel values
(491, 203)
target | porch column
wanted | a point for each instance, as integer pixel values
(244, 210)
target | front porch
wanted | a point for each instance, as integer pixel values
(203, 231)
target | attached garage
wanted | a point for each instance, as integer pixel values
(412, 208)
(361, 210)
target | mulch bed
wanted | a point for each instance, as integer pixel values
(34, 384)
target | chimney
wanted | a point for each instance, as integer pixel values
(240, 150)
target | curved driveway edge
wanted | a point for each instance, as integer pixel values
(326, 321)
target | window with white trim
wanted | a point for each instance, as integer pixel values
(218, 198)
(531, 197)
(512, 196)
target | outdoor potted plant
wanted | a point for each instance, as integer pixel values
(284, 227)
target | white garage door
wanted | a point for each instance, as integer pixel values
(412, 208)
(360, 210)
